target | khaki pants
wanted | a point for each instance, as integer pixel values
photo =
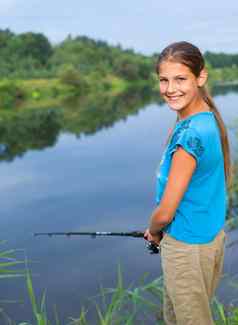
(191, 275)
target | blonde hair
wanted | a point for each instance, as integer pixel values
(189, 55)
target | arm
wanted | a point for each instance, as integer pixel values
(182, 168)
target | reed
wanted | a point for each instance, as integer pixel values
(121, 305)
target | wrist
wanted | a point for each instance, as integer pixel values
(155, 233)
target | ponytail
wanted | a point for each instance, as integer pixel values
(223, 135)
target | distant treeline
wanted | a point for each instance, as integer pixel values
(221, 60)
(31, 55)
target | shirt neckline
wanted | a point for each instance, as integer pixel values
(194, 115)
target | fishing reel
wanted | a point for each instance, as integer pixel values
(153, 248)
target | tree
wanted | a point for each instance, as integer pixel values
(35, 45)
(71, 77)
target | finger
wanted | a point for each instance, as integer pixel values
(146, 234)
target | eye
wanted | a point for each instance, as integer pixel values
(181, 78)
(162, 80)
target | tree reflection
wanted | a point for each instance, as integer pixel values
(93, 114)
(29, 130)
(36, 129)
(224, 90)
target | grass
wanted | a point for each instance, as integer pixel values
(224, 315)
(123, 306)
(8, 269)
(118, 305)
(7, 263)
(136, 304)
(40, 93)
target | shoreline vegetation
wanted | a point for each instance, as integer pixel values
(121, 305)
(35, 73)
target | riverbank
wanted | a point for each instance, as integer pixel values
(41, 93)
(47, 92)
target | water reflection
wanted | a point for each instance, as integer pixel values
(28, 130)
(224, 90)
(103, 182)
(37, 129)
(93, 114)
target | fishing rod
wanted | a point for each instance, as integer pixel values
(151, 246)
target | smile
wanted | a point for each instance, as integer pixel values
(174, 97)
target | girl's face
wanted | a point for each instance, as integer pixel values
(180, 87)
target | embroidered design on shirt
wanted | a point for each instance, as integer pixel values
(183, 126)
(195, 144)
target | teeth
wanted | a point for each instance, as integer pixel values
(176, 97)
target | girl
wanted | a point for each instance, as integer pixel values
(192, 183)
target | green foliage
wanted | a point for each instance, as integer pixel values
(36, 94)
(133, 67)
(221, 60)
(22, 55)
(35, 45)
(232, 221)
(131, 305)
(8, 264)
(120, 305)
(224, 315)
(69, 76)
(10, 93)
(85, 65)
(38, 307)
(30, 55)
(39, 310)
(128, 306)
(223, 76)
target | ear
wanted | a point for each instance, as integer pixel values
(202, 79)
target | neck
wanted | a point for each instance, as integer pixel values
(196, 107)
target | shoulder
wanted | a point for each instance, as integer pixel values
(204, 124)
(193, 135)
(201, 125)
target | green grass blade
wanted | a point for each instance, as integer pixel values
(31, 293)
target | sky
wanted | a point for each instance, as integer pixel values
(146, 26)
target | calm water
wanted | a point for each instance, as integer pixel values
(100, 182)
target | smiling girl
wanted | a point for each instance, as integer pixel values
(192, 183)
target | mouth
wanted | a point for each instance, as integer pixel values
(174, 98)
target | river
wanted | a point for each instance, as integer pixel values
(100, 181)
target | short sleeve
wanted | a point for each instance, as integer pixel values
(190, 141)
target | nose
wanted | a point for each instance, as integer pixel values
(171, 87)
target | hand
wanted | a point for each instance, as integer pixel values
(155, 239)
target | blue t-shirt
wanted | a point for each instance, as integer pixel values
(202, 210)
